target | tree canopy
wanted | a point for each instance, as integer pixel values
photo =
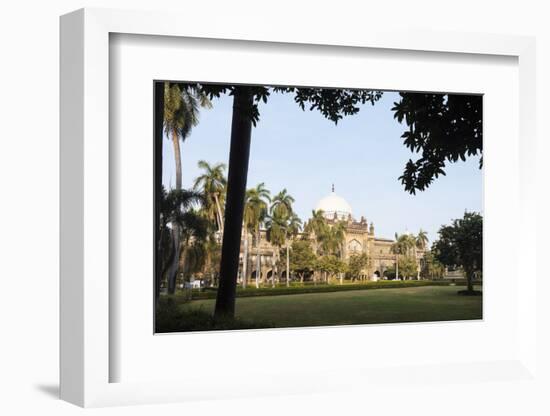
(442, 128)
(461, 244)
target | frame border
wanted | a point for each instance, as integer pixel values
(84, 180)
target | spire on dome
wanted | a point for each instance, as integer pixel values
(332, 187)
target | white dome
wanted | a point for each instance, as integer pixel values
(333, 203)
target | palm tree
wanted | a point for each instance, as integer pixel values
(276, 226)
(333, 240)
(293, 227)
(316, 224)
(255, 212)
(422, 239)
(179, 223)
(281, 207)
(212, 183)
(404, 243)
(181, 114)
(421, 242)
(316, 227)
(282, 204)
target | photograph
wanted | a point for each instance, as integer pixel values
(307, 206)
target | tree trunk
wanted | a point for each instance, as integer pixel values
(177, 157)
(275, 268)
(287, 266)
(173, 270)
(241, 129)
(397, 267)
(174, 264)
(245, 258)
(469, 279)
(219, 213)
(159, 122)
(258, 258)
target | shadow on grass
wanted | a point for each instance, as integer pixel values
(171, 318)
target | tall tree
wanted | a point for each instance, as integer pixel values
(178, 224)
(316, 228)
(276, 227)
(403, 245)
(239, 153)
(293, 228)
(357, 264)
(461, 244)
(281, 208)
(421, 241)
(432, 268)
(256, 207)
(281, 204)
(212, 183)
(181, 114)
(303, 259)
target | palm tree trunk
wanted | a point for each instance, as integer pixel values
(245, 258)
(177, 157)
(173, 270)
(397, 267)
(275, 271)
(287, 266)
(174, 264)
(241, 130)
(258, 258)
(219, 213)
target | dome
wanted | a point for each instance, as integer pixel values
(332, 204)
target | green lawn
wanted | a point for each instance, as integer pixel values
(415, 304)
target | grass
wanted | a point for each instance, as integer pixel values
(406, 304)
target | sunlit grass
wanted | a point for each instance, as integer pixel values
(408, 304)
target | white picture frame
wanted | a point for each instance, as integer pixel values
(85, 165)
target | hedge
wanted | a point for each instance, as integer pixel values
(324, 288)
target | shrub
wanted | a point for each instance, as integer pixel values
(322, 288)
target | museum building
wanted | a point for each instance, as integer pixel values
(359, 237)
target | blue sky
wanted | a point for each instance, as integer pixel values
(363, 156)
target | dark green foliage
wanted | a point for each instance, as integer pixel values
(356, 264)
(331, 264)
(407, 266)
(442, 128)
(324, 288)
(332, 103)
(461, 245)
(170, 317)
(302, 259)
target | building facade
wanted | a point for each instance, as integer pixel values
(359, 238)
